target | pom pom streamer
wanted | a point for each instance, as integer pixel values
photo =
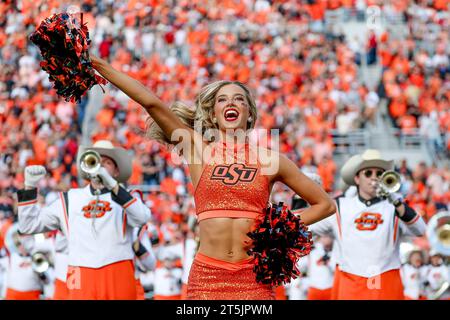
(64, 49)
(279, 240)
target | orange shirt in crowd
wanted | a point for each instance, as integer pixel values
(407, 124)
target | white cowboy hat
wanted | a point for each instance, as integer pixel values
(371, 158)
(119, 155)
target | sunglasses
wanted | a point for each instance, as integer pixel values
(368, 173)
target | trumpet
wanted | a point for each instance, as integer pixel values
(40, 263)
(90, 162)
(389, 183)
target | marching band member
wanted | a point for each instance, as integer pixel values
(61, 266)
(22, 281)
(6, 220)
(189, 250)
(438, 277)
(144, 256)
(414, 276)
(3, 274)
(167, 285)
(319, 264)
(321, 269)
(98, 222)
(367, 229)
(298, 287)
(145, 259)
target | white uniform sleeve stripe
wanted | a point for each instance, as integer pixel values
(65, 210)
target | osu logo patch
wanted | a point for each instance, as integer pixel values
(368, 221)
(231, 174)
(437, 276)
(25, 264)
(101, 208)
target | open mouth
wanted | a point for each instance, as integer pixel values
(231, 114)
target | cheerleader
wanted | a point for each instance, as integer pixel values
(232, 181)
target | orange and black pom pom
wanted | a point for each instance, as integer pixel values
(279, 240)
(64, 49)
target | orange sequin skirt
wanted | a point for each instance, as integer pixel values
(213, 279)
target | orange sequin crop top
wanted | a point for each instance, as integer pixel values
(232, 190)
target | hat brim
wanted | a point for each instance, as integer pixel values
(119, 155)
(356, 164)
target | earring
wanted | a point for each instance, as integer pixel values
(214, 120)
(249, 119)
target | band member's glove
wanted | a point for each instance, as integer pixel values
(33, 174)
(395, 198)
(108, 181)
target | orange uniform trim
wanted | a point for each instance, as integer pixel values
(139, 192)
(12, 294)
(338, 218)
(142, 232)
(232, 266)
(66, 216)
(385, 286)
(115, 281)
(173, 297)
(61, 291)
(395, 228)
(27, 203)
(413, 220)
(228, 214)
(319, 294)
(129, 203)
(124, 223)
(140, 293)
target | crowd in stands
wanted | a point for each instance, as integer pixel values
(302, 70)
(416, 74)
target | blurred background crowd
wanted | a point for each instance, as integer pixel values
(305, 71)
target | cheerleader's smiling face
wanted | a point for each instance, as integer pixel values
(231, 108)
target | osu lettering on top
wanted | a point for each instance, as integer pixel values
(231, 174)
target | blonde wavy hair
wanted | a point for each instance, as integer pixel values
(203, 112)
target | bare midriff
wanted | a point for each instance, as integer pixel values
(225, 238)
